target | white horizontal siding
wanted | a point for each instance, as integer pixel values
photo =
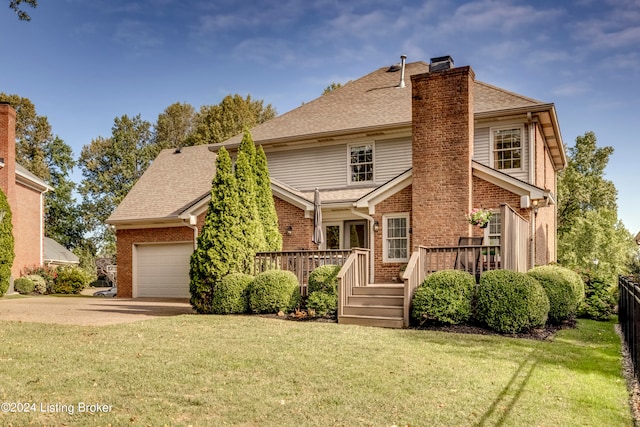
(392, 158)
(481, 145)
(482, 150)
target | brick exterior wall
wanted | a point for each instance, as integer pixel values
(546, 220)
(442, 146)
(26, 203)
(398, 203)
(302, 228)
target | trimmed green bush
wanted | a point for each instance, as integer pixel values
(70, 280)
(273, 291)
(23, 286)
(47, 273)
(511, 302)
(600, 299)
(322, 303)
(40, 285)
(325, 279)
(7, 253)
(444, 297)
(564, 288)
(230, 294)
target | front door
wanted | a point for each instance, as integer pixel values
(356, 234)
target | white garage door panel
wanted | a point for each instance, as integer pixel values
(163, 270)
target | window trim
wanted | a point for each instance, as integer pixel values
(493, 151)
(373, 163)
(385, 238)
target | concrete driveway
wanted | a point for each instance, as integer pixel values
(88, 310)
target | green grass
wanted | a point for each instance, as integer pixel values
(255, 371)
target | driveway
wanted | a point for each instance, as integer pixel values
(87, 310)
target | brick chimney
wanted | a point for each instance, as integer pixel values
(8, 152)
(442, 116)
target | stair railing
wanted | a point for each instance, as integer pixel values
(354, 272)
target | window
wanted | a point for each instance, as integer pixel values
(360, 163)
(332, 236)
(507, 148)
(395, 230)
(492, 232)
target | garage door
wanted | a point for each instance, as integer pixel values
(163, 270)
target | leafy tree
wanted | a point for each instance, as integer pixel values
(249, 216)
(333, 86)
(62, 213)
(217, 123)
(22, 15)
(6, 244)
(220, 243)
(174, 125)
(588, 225)
(266, 207)
(110, 168)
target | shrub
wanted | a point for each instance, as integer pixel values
(563, 287)
(600, 300)
(325, 279)
(444, 297)
(40, 285)
(7, 254)
(47, 273)
(322, 303)
(511, 302)
(273, 291)
(230, 294)
(70, 280)
(23, 285)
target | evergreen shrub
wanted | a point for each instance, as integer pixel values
(273, 291)
(23, 285)
(70, 280)
(48, 274)
(40, 285)
(230, 294)
(600, 296)
(444, 297)
(7, 254)
(511, 302)
(322, 303)
(564, 288)
(325, 279)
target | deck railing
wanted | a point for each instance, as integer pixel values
(354, 272)
(301, 263)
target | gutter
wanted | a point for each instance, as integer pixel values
(193, 220)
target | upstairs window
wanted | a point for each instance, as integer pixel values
(360, 163)
(507, 148)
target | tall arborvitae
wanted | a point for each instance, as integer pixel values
(250, 222)
(6, 244)
(266, 206)
(220, 243)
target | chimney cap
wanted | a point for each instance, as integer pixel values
(441, 63)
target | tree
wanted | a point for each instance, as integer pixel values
(110, 168)
(22, 15)
(63, 217)
(50, 159)
(234, 114)
(7, 254)
(249, 218)
(333, 86)
(220, 243)
(266, 207)
(588, 225)
(174, 125)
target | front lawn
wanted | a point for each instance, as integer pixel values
(256, 371)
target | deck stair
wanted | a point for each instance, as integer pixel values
(379, 305)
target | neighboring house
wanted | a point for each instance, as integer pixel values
(25, 193)
(400, 156)
(56, 255)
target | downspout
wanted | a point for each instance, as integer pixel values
(193, 220)
(371, 243)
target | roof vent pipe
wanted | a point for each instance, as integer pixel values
(404, 59)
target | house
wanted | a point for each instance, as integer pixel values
(25, 194)
(400, 157)
(56, 255)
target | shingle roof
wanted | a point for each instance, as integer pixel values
(370, 102)
(54, 252)
(175, 181)
(170, 184)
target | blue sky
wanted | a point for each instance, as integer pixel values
(83, 63)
